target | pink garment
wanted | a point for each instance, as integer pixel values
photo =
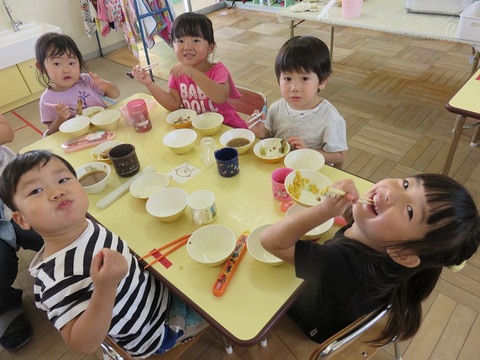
(194, 98)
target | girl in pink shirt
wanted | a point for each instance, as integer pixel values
(195, 82)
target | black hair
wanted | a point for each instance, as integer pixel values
(19, 166)
(53, 44)
(304, 53)
(192, 24)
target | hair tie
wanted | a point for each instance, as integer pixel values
(457, 268)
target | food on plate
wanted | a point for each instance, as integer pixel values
(278, 149)
(182, 120)
(300, 183)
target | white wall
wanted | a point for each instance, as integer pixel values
(67, 15)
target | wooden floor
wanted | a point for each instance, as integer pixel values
(391, 90)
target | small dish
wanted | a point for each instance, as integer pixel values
(271, 150)
(146, 185)
(180, 141)
(240, 139)
(76, 126)
(211, 244)
(304, 159)
(100, 152)
(304, 186)
(167, 204)
(92, 110)
(208, 123)
(93, 176)
(256, 249)
(316, 232)
(181, 118)
(107, 119)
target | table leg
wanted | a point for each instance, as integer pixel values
(227, 345)
(457, 131)
(292, 28)
(332, 35)
(475, 136)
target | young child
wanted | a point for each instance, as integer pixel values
(302, 117)
(86, 279)
(15, 331)
(59, 65)
(195, 82)
(391, 252)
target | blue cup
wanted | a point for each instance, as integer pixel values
(227, 162)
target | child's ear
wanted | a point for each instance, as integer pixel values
(322, 85)
(37, 65)
(20, 220)
(211, 48)
(403, 257)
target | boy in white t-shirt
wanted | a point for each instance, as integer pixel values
(302, 117)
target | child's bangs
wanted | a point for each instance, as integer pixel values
(192, 29)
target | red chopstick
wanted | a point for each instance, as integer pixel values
(182, 240)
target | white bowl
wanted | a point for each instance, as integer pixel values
(100, 152)
(240, 139)
(211, 244)
(92, 110)
(270, 150)
(315, 233)
(180, 141)
(94, 176)
(76, 126)
(208, 123)
(144, 186)
(181, 118)
(167, 204)
(107, 120)
(304, 186)
(304, 159)
(256, 249)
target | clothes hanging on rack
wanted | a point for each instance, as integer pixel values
(136, 18)
(89, 15)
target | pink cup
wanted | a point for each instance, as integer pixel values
(278, 184)
(351, 8)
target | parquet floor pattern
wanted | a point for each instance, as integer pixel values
(392, 91)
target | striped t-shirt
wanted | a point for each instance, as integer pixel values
(63, 288)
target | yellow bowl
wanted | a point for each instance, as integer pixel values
(304, 159)
(76, 126)
(270, 150)
(317, 231)
(304, 186)
(211, 244)
(256, 249)
(240, 139)
(208, 123)
(94, 176)
(180, 141)
(167, 204)
(107, 120)
(181, 118)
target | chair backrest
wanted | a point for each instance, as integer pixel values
(251, 102)
(352, 342)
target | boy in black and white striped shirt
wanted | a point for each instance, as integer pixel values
(86, 279)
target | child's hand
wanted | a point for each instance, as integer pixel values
(63, 112)
(141, 75)
(337, 204)
(108, 268)
(180, 69)
(99, 82)
(297, 142)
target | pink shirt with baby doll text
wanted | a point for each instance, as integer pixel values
(194, 98)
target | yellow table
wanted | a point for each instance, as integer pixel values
(259, 294)
(465, 103)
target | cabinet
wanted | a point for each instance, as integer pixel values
(19, 82)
